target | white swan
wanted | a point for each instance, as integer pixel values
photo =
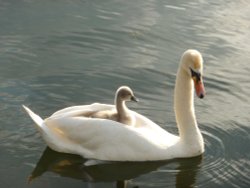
(103, 139)
(120, 113)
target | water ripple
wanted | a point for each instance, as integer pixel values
(223, 161)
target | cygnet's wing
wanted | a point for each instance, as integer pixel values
(105, 114)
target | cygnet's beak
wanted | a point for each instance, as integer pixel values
(133, 98)
(198, 84)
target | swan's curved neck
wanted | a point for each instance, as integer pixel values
(184, 107)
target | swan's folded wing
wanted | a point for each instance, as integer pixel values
(103, 139)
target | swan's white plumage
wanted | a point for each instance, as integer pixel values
(104, 139)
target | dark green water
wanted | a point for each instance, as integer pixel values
(55, 54)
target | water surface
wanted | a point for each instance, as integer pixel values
(55, 54)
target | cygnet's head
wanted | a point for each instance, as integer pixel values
(124, 93)
(192, 63)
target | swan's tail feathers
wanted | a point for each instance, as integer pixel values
(37, 119)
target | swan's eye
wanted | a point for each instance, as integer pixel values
(195, 75)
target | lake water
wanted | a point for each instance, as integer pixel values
(55, 54)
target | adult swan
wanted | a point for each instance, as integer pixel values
(67, 131)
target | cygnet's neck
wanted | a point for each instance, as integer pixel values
(184, 108)
(121, 107)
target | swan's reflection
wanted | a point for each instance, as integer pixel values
(68, 165)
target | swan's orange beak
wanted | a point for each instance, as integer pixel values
(199, 86)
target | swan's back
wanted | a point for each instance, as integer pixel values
(118, 112)
(82, 109)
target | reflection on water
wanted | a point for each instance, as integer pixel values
(73, 166)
